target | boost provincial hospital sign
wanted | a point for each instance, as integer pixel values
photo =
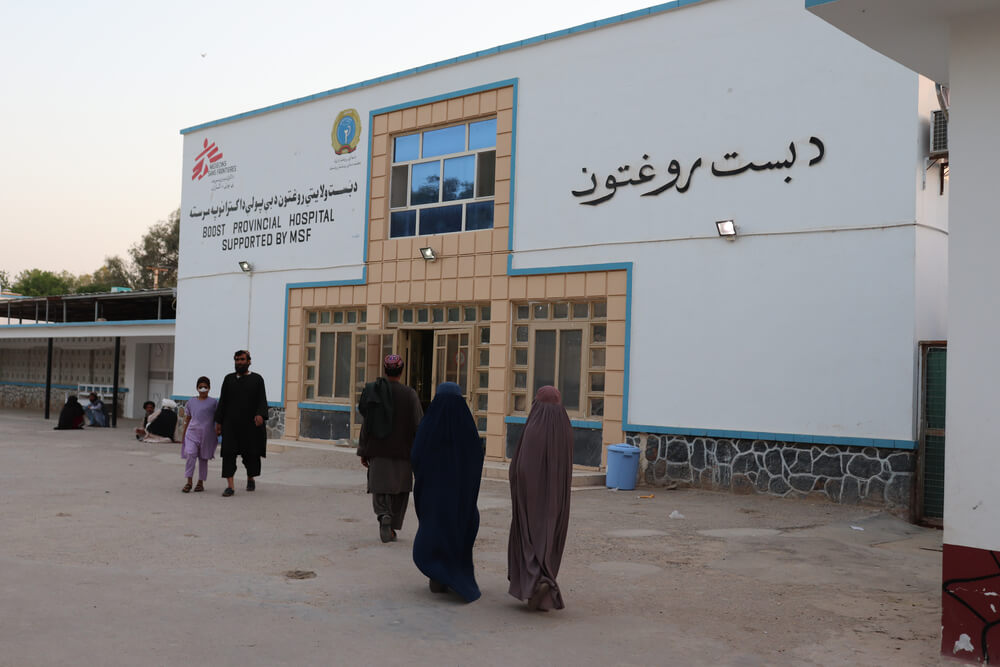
(281, 191)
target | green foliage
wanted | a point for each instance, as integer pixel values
(114, 273)
(35, 282)
(158, 249)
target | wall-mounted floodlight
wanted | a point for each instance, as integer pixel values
(727, 229)
(246, 266)
(428, 254)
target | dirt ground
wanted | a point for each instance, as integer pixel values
(104, 561)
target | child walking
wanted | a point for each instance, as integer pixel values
(199, 435)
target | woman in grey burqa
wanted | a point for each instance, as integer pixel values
(541, 472)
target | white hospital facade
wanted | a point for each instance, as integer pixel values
(569, 188)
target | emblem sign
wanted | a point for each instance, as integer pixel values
(346, 132)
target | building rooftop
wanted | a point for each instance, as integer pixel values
(139, 305)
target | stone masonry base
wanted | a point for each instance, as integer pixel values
(842, 474)
(275, 423)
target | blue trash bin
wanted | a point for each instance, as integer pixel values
(623, 467)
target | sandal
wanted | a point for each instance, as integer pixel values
(199, 487)
(187, 488)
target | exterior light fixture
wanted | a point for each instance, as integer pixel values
(245, 266)
(727, 229)
(428, 254)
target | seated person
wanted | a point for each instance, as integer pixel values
(149, 408)
(95, 411)
(162, 423)
(71, 415)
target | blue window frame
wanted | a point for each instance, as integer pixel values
(442, 180)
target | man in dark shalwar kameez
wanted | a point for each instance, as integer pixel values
(239, 418)
(390, 477)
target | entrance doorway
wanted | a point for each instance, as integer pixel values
(418, 356)
(433, 356)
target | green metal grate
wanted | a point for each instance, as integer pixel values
(934, 411)
(934, 387)
(934, 477)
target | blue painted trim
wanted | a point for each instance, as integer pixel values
(40, 384)
(575, 268)
(628, 345)
(284, 345)
(585, 27)
(511, 189)
(575, 423)
(121, 390)
(365, 239)
(883, 443)
(84, 324)
(816, 3)
(329, 283)
(325, 406)
(273, 404)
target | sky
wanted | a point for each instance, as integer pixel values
(95, 94)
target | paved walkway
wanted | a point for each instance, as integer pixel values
(104, 561)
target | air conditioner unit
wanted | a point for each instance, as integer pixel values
(939, 135)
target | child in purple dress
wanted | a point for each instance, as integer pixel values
(199, 435)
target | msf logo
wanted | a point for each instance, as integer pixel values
(209, 155)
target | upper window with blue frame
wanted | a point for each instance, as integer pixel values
(443, 180)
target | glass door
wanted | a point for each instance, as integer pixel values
(451, 358)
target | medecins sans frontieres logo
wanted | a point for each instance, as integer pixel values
(209, 155)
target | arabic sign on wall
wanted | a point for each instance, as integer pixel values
(730, 165)
(285, 196)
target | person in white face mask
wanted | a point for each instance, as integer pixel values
(199, 435)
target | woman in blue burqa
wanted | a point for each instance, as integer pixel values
(447, 460)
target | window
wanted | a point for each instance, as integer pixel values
(443, 180)
(328, 346)
(560, 344)
(334, 364)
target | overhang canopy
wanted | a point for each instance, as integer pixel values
(137, 306)
(914, 33)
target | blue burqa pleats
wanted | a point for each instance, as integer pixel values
(447, 459)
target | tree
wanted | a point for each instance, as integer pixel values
(157, 252)
(35, 282)
(158, 249)
(114, 273)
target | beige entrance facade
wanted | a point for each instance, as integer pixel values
(461, 317)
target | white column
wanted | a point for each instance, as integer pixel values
(972, 496)
(136, 376)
